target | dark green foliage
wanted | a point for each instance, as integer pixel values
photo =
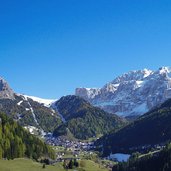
(76, 164)
(152, 128)
(44, 166)
(157, 162)
(63, 130)
(70, 106)
(11, 108)
(83, 120)
(70, 164)
(16, 142)
(45, 161)
(46, 120)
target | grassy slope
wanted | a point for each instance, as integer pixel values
(25, 165)
(29, 165)
(92, 166)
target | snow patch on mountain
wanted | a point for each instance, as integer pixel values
(27, 109)
(33, 130)
(31, 109)
(19, 103)
(45, 102)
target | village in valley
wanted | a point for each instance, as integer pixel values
(67, 150)
(75, 148)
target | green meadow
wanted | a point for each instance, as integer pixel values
(29, 165)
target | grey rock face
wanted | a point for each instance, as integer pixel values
(5, 91)
(133, 93)
(87, 93)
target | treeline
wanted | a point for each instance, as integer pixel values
(155, 162)
(16, 142)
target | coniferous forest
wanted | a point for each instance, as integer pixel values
(15, 142)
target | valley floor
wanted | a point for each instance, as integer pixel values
(29, 165)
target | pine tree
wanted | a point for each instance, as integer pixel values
(71, 164)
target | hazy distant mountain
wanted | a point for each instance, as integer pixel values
(133, 93)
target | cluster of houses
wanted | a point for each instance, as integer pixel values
(69, 144)
(75, 147)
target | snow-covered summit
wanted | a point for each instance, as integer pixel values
(164, 71)
(132, 75)
(132, 93)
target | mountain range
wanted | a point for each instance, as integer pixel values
(70, 115)
(131, 94)
(92, 112)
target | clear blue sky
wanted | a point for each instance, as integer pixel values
(50, 47)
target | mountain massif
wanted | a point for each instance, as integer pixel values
(70, 115)
(133, 93)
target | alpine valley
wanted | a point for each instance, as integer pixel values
(128, 119)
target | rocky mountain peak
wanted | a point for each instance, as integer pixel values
(87, 93)
(165, 71)
(132, 75)
(5, 90)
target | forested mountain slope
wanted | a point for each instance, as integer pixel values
(83, 120)
(16, 142)
(152, 128)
